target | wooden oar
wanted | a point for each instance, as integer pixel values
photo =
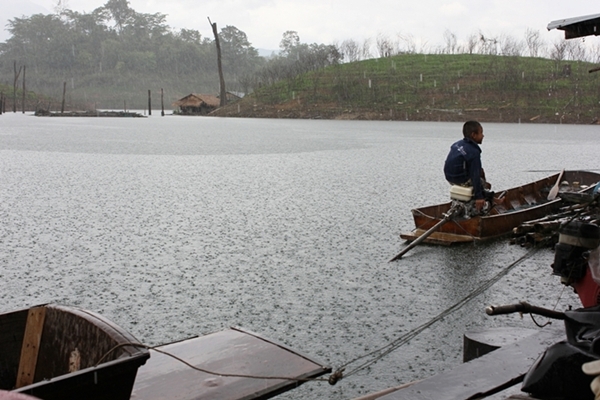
(447, 217)
(554, 191)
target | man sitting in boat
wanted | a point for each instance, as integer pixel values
(463, 164)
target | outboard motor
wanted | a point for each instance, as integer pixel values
(462, 200)
(576, 260)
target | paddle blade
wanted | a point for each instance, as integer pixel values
(554, 191)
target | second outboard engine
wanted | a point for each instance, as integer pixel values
(577, 245)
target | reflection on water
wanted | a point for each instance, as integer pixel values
(176, 226)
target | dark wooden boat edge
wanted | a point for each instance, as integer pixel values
(220, 357)
(285, 347)
(439, 238)
(134, 371)
(105, 355)
(499, 371)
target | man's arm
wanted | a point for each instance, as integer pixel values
(475, 175)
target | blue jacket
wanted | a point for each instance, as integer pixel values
(463, 164)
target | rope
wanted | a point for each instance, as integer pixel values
(538, 324)
(385, 350)
(155, 348)
(376, 355)
(465, 231)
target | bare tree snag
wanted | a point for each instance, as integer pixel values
(223, 92)
(62, 107)
(17, 73)
(162, 103)
(23, 103)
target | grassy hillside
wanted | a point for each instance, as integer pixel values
(435, 88)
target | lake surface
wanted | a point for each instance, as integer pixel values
(181, 226)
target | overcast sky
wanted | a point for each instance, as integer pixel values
(333, 21)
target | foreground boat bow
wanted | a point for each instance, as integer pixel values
(59, 352)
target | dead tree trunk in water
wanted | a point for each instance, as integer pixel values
(162, 103)
(17, 73)
(62, 107)
(23, 103)
(223, 92)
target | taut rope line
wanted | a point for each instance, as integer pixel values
(378, 354)
(383, 351)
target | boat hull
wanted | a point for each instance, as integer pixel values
(79, 354)
(519, 204)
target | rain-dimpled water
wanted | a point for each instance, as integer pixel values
(174, 227)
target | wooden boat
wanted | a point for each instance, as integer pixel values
(58, 352)
(232, 355)
(518, 204)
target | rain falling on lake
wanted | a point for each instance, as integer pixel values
(180, 226)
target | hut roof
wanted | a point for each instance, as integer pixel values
(197, 100)
(234, 95)
(578, 26)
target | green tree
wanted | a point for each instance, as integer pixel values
(35, 41)
(120, 13)
(238, 54)
(289, 42)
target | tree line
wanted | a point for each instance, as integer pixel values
(116, 51)
(114, 54)
(532, 44)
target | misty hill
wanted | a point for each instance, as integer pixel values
(442, 87)
(112, 56)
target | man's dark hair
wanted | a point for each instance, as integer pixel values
(470, 127)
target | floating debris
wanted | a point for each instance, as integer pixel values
(119, 114)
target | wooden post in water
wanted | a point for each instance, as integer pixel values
(162, 103)
(23, 102)
(149, 103)
(1, 102)
(17, 73)
(62, 107)
(124, 105)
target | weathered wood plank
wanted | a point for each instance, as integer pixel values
(31, 346)
(227, 352)
(442, 238)
(504, 367)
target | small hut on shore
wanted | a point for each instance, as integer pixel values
(197, 104)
